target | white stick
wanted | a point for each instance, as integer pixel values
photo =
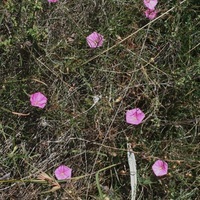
(133, 171)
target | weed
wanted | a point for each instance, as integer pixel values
(149, 65)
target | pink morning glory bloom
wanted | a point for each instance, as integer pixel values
(151, 14)
(150, 4)
(52, 1)
(134, 116)
(95, 40)
(160, 168)
(63, 172)
(38, 100)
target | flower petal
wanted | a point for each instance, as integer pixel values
(134, 116)
(95, 40)
(38, 100)
(160, 168)
(63, 172)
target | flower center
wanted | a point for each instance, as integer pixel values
(134, 117)
(96, 41)
(62, 173)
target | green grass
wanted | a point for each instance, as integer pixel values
(154, 66)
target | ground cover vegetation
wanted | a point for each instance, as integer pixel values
(65, 105)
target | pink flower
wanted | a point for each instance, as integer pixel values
(160, 168)
(38, 100)
(151, 14)
(63, 172)
(52, 1)
(95, 40)
(134, 116)
(150, 4)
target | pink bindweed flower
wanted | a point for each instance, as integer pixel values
(63, 172)
(134, 116)
(52, 1)
(150, 4)
(151, 14)
(95, 40)
(160, 168)
(38, 100)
